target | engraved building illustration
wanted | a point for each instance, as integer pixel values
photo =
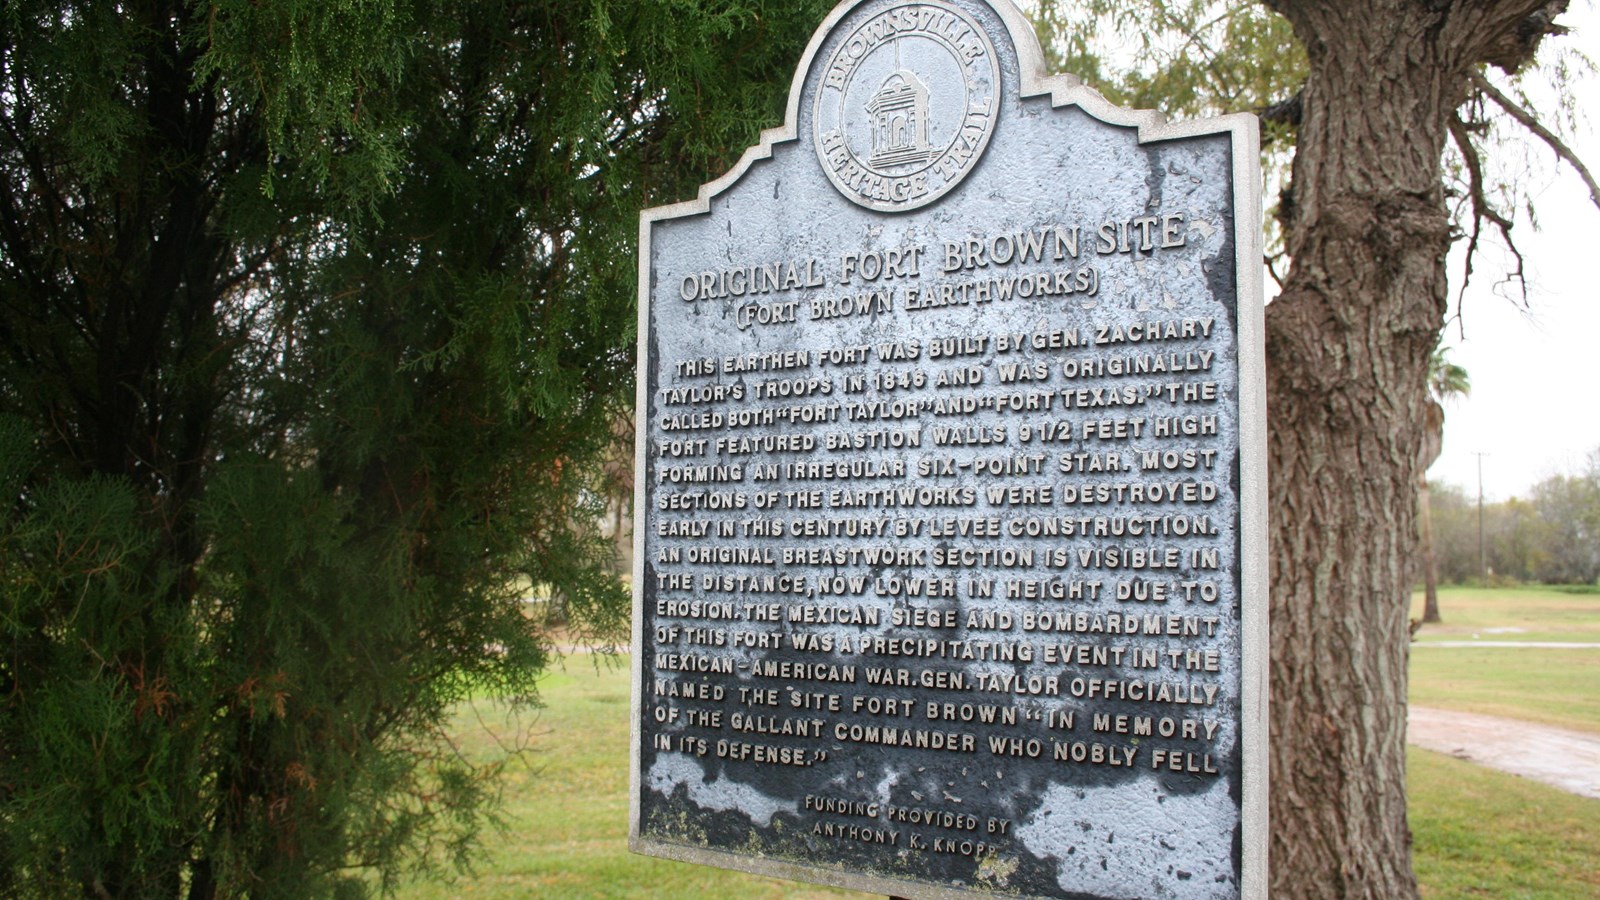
(899, 112)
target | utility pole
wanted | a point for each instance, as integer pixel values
(1483, 555)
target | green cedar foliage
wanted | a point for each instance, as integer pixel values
(313, 316)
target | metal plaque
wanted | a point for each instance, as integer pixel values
(950, 538)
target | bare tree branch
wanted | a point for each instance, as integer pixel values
(1530, 122)
(1482, 209)
(1270, 261)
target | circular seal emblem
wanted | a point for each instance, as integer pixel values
(906, 105)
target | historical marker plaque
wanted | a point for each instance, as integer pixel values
(950, 559)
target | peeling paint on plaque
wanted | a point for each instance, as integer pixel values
(950, 537)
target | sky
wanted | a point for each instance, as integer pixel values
(1534, 410)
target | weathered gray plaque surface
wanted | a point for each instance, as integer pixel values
(950, 554)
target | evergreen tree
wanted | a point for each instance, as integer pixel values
(313, 317)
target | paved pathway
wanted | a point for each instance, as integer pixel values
(1569, 760)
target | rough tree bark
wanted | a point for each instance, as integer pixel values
(1348, 343)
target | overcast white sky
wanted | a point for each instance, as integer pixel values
(1535, 404)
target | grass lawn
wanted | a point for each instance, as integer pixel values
(1478, 832)
(1555, 686)
(1513, 614)
(567, 809)
(1482, 833)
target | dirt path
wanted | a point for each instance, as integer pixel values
(1569, 760)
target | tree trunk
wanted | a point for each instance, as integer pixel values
(1348, 344)
(1432, 445)
(1430, 568)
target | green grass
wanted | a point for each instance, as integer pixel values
(1513, 614)
(1555, 686)
(1478, 833)
(1482, 833)
(567, 808)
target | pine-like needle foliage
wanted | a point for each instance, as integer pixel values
(313, 316)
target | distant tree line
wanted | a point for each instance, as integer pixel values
(1552, 536)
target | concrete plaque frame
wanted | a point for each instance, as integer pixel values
(950, 537)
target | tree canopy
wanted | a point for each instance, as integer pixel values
(312, 325)
(1550, 536)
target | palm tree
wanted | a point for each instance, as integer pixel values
(1446, 381)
